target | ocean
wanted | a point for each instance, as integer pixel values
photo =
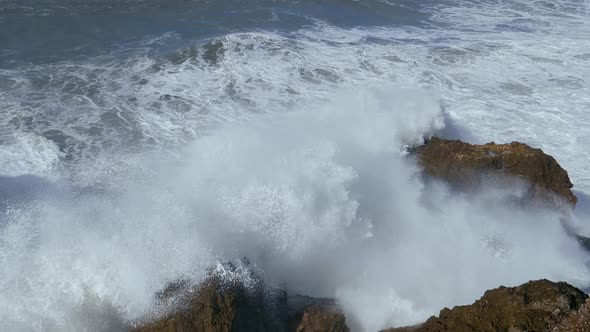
(142, 141)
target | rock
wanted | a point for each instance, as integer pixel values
(535, 306)
(219, 304)
(310, 314)
(318, 318)
(576, 322)
(244, 304)
(464, 166)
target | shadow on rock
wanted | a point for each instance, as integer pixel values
(234, 298)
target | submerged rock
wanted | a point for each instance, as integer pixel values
(222, 304)
(465, 166)
(535, 306)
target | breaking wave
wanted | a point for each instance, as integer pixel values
(122, 172)
(323, 201)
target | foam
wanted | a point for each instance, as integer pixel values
(334, 212)
(503, 72)
(24, 153)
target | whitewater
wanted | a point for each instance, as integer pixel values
(157, 139)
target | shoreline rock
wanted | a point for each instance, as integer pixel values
(224, 305)
(319, 316)
(465, 167)
(216, 306)
(219, 304)
(539, 305)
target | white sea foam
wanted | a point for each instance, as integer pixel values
(505, 71)
(26, 153)
(512, 71)
(321, 200)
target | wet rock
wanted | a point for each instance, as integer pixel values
(315, 314)
(220, 303)
(316, 317)
(465, 166)
(224, 303)
(535, 306)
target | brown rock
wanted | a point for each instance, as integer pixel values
(218, 305)
(318, 318)
(464, 166)
(221, 305)
(535, 306)
(576, 322)
(308, 314)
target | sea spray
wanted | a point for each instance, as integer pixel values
(323, 200)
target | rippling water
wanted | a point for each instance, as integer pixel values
(144, 140)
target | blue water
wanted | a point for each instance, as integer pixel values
(48, 31)
(142, 141)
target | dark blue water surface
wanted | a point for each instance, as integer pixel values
(37, 32)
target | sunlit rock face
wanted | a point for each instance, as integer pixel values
(534, 306)
(467, 167)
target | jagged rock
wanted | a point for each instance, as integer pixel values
(308, 314)
(318, 318)
(464, 166)
(219, 304)
(535, 306)
(222, 304)
(576, 322)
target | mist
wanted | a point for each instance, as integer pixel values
(324, 200)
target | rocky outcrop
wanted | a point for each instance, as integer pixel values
(235, 299)
(310, 314)
(318, 318)
(218, 305)
(578, 321)
(535, 306)
(466, 166)
(222, 304)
